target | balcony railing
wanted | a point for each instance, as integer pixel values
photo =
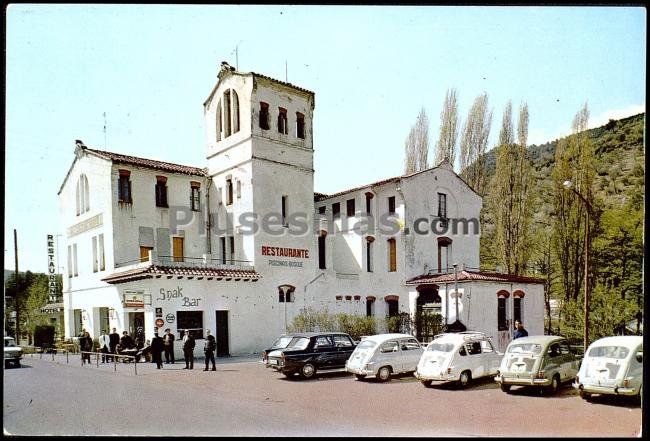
(206, 261)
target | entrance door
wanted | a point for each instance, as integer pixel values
(136, 328)
(222, 334)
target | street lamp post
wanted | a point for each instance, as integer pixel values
(569, 186)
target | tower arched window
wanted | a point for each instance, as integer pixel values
(227, 114)
(82, 195)
(219, 126)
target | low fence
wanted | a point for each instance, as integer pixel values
(53, 352)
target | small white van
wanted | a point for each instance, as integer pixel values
(381, 355)
(612, 365)
(459, 357)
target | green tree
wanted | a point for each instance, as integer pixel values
(447, 138)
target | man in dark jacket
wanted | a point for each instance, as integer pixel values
(188, 349)
(86, 345)
(157, 347)
(209, 347)
(168, 340)
(114, 340)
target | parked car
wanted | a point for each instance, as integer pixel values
(381, 355)
(280, 343)
(612, 365)
(544, 361)
(459, 357)
(13, 352)
(312, 352)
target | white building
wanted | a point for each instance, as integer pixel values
(139, 255)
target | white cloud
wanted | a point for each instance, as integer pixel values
(604, 118)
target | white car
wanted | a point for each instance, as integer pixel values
(13, 353)
(612, 365)
(458, 357)
(381, 355)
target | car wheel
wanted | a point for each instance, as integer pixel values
(308, 371)
(554, 386)
(465, 378)
(427, 383)
(384, 373)
(360, 377)
(584, 395)
(505, 387)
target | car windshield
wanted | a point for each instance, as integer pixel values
(366, 344)
(618, 352)
(282, 342)
(298, 343)
(525, 347)
(9, 342)
(440, 347)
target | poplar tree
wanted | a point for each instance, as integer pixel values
(473, 144)
(446, 145)
(510, 195)
(416, 145)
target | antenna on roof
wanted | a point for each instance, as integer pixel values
(236, 51)
(105, 147)
(286, 75)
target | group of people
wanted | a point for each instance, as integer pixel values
(112, 344)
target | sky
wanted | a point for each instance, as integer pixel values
(149, 69)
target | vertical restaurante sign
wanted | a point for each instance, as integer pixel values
(51, 268)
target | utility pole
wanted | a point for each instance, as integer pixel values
(17, 289)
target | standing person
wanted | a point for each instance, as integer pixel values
(209, 347)
(519, 330)
(188, 349)
(104, 345)
(168, 341)
(114, 340)
(157, 347)
(86, 345)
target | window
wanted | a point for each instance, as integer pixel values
(235, 111)
(389, 346)
(336, 210)
(70, 268)
(219, 116)
(370, 307)
(486, 346)
(264, 116)
(444, 254)
(410, 344)
(501, 314)
(289, 297)
(474, 348)
(321, 251)
(442, 205)
(282, 121)
(369, 254)
(284, 211)
(322, 341)
(161, 191)
(368, 204)
(95, 263)
(393, 308)
(392, 255)
(177, 244)
(238, 189)
(195, 196)
(391, 205)
(144, 253)
(124, 187)
(82, 195)
(102, 260)
(232, 250)
(342, 341)
(222, 242)
(516, 309)
(321, 210)
(564, 348)
(300, 125)
(74, 259)
(190, 320)
(226, 114)
(350, 209)
(229, 191)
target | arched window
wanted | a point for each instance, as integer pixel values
(502, 322)
(227, 127)
(235, 111)
(82, 195)
(219, 125)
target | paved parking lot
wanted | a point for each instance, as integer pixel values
(243, 398)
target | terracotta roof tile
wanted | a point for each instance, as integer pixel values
(152, 271)
(119, 158)
(472, 275)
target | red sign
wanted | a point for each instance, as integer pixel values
(159, 323)
(285, 252)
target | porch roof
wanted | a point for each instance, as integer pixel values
(156, 271)
(466, 275)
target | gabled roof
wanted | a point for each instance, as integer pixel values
(472, 276)
(443, 164)
(154, 271)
